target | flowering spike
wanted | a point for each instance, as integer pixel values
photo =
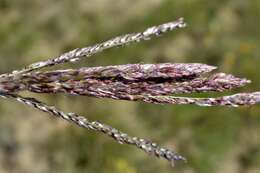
(122, 138)
(113, 89)
(240, 99)
(123, 73)
(128, 72)
(79, 53)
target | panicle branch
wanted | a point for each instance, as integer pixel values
(79, 53)
(128, 72)
(235, 100)
(97, 88)
(123, 73)
(122, 138)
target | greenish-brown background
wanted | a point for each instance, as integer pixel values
(225, 33)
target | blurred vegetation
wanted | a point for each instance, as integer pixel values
(225, 33)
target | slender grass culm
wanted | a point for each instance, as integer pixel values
(151, 83)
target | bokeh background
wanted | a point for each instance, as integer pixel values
(225, 33)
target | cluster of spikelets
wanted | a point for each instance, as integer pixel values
(151, 83)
